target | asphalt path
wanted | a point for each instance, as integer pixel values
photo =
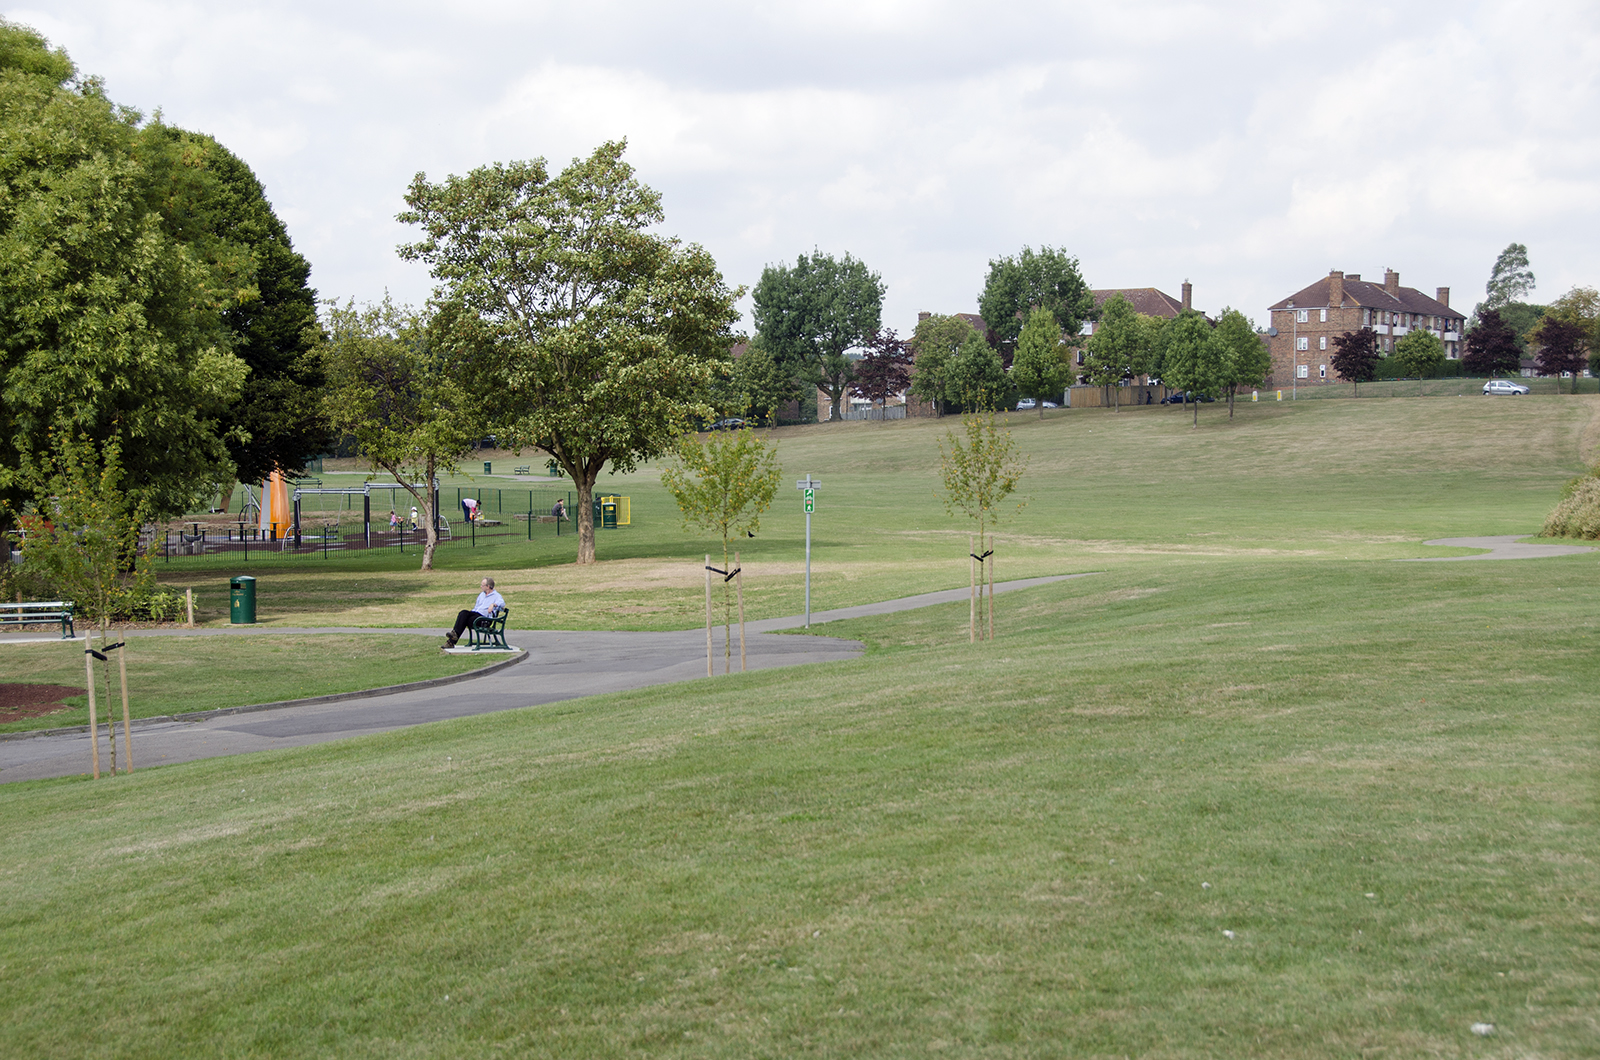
(1504, 546)
(556, 665)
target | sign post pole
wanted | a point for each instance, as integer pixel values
(808, 487)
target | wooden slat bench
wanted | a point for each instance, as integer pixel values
(489, 632)
(40, 613)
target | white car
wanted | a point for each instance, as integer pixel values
(1503, 386)
(1025, 403)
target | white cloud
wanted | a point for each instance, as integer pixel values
(1247, 146)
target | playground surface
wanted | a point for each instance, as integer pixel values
(557, 665)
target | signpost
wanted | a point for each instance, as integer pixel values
(808, 487)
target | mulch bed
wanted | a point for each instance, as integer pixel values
(31, 701)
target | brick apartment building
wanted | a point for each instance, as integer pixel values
(1309, 320)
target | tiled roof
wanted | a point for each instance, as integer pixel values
(1364, 295)
(1146, 300)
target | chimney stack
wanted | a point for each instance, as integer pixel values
(1391, 282)
(1188, 294)
(1443, 296)
(1335, 288)
(924, 315)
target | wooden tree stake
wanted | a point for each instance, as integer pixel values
(709, 671)
(738, 581)
(122, 668)
(188, 599)
(94, 723)
(972, 594)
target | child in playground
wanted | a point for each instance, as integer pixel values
(394, 521)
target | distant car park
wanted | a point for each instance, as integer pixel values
(1504, 386)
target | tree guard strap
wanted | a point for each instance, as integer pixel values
(983, 557)
(727, 575)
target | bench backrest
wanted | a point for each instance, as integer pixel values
(29, 608)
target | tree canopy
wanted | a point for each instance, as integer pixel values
(1355, 356)
(403, 395)
(1042, 279)
(1563, 349)
(813, 313)
(1117, 345)
(1510, 279)
(884, 368)
(974, 379)
(1193, 361)
(152, 297)
(1420, 353)
(1039, 369)
(606, 335)
(1243, 359)
(934, 344)
(1492, 347)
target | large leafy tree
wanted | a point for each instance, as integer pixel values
(1193, 360)
(404, 394)
(814, 313)
(278, 421)
(1039, 368)
(1580, 306)
(113, 287)
(1492, 347)
(1245, 360)
(755, 386)
(1563, 349)
(1510, 279)
(1042, 279)
(607, 334)
(974, 379)
(934, 344)
(884, 368)
(1116, 347)
(1355, 357)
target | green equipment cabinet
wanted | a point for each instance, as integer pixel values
(242, 599)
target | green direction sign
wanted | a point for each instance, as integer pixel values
(811, 501)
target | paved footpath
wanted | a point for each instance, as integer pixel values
(1504, 546)
(557, 665)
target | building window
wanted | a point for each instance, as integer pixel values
(1324, 316)
(1302, 315)
(1322, 342)
(1322, 370)
(1302, 343)
(1366, 317)
(1302, 370)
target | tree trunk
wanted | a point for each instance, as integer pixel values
(585, 520)
(1196, 404)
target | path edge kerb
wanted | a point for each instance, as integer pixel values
(334, 697)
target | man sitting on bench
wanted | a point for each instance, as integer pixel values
(488, 603)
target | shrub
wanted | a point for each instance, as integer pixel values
(1578, 513)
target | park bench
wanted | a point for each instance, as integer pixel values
(489, 632)
(523, 470)
(38, 613)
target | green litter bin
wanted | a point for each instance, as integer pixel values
(242, 597)
(608, 514)
(488, 467)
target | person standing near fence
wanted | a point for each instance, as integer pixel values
(413, 517)
(394, 521)
(559, 510)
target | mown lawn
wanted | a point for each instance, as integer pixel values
(1385, 772)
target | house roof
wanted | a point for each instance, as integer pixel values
(1363, 295)
(1145, 300)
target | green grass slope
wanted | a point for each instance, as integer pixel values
(1385, 772)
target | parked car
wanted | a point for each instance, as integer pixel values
(732, 423)
(1503, 386)
(1178, 397)
(1026, 403)
(1051, 405)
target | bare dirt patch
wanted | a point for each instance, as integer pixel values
(18, 702)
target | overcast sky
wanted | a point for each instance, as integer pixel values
(1247, 146)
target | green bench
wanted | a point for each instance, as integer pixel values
(489, 632)
(39, 613)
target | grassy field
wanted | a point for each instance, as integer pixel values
(1255, 790)
(174, 675)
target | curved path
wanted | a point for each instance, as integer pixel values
(1504, 546)
(558, 665)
